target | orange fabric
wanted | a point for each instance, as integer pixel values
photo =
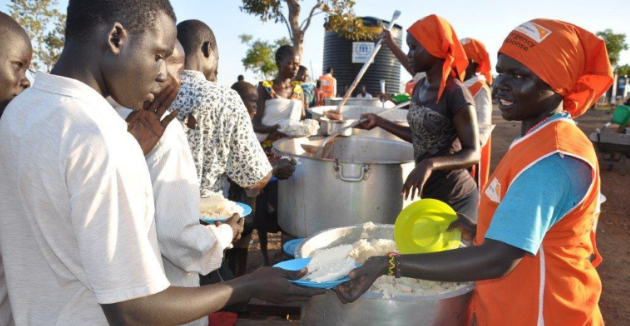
(560, 274)
(410, 86)
(476, 51)
(573, 61)
(319, 97)
(438, 37)
(328, 85)
(477, 86)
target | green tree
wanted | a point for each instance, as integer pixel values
(339, 17)
(615, 44)
(260, 57)
(45, 26)
(623, 70)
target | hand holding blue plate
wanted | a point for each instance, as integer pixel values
(246, 211)
(300, 263)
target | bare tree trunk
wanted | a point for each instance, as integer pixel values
(294, 21)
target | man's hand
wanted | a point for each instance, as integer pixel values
(272, 285)
(361, 279)
(283, 168)
(145, 125)
(237, 223)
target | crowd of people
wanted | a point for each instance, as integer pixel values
(107, 158)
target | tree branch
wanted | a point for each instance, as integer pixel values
(310, 15)
(286, 22)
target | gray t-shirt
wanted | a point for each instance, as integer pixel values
(434, 134)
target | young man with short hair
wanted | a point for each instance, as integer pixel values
(219, 128)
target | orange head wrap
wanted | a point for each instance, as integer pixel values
(571, 60)
(437, 36)
(476, 51)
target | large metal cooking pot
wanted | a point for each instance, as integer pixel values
(354, 101)
(398, 116)
(447, 309)
(360, 182)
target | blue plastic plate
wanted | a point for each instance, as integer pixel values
(298, 264)
(290, 246)
(246, 211)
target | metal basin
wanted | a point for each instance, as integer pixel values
(447, 309)
(359, 182)
(399, 116)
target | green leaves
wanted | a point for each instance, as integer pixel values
(45, 26)
(260, 57)
(615, 44)
(339, 17)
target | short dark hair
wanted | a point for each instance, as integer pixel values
(242, 87)
(240, 78)
(137, 16)
(329, 70)
(302, 69)
(193, 33)
(284, 52)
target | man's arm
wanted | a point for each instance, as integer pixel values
(178, 305)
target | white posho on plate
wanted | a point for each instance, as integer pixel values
(216, 206)
(330, 264)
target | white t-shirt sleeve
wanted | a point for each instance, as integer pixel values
(111, 205)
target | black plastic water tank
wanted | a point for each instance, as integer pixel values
(338, 55)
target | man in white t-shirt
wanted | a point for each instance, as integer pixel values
(16, 53)
(187, 247)
(364, 93)
(77, 233)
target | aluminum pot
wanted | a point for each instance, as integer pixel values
(355, 101)
(447, 309)
(359, 182)
(398, 116)
(329, 127)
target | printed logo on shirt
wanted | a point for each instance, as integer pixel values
(535, 31)
(493, 191)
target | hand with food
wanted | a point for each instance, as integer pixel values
(146, 125)
(273, 285)
(415, 181)
(361, 279)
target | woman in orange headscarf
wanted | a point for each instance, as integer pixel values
(442, 124)
(478, 77)
(534, 238)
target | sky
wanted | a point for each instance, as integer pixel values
(488, 21)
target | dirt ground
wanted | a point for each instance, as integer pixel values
(613, 234)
